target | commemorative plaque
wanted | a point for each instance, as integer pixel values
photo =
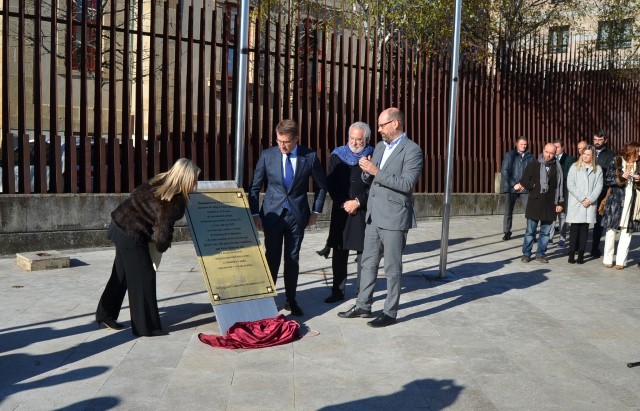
(234, 267)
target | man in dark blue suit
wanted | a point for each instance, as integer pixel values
(285, 213)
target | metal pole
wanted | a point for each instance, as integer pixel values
(444, 242)
(241, 88)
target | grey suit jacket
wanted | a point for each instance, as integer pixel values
(390, 204)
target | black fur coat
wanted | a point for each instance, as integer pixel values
(144, 217)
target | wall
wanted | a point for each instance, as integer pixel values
(39, 222)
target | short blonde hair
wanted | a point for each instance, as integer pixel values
(180, 179)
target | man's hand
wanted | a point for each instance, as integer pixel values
(258, 222)
(518, 187)
(559, 209)
(367, 166)
(586, 203)
(313, 219)
(350, 206)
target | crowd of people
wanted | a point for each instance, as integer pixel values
(597, 188)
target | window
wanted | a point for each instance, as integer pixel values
(559, 39)
(614, 34)
(76, 34)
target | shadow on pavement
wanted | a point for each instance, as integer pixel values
(431, 245)
(18, 367)
(98, 403)
(491, 286)
(438, 395)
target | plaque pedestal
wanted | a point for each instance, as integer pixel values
(234, 267)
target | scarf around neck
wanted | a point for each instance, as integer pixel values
(544, 177)
(349, 157)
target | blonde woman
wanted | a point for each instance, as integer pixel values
(584, 184)
(622, 178)
(147, 215)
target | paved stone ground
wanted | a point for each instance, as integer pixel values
(498, 335)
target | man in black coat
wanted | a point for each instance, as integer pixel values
(349, 194)
(604, 156)
(543, 179)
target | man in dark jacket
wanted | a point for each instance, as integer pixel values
(543, 179)
(285, 170)
(604, 156)
(566, 161)
(513, 165)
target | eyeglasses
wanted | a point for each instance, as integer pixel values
(284, 143)
(382, 125)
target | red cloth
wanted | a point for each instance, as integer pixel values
(256, 334)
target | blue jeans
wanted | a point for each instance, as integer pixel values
(543, 239)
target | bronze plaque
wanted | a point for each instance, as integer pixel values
(233, 264)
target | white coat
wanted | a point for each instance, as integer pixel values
(583, 183)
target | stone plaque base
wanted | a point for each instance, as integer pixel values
(42, 260)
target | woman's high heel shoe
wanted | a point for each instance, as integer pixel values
(324, 252)
(111, 324)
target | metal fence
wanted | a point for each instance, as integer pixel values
(181, 59)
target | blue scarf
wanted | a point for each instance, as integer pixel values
(349, 157)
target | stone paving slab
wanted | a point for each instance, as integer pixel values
(498, 334)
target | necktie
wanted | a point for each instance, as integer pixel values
(288, 173)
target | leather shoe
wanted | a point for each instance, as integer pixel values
(296, 310)
(525, 258)
(595, 253)
(542, 259)
(506, 236)
(334, 297)
(355, 312)
(381, 321)
(111, 324)
(158, 333)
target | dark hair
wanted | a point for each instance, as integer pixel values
(288, 128)
(526, 140)
(601, 133)
(559, 141)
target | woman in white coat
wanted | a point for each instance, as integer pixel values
(584, 183)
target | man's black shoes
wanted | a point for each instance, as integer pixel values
(382, 320)
(355, 312)
(506, 236)
(294, 308)
(334, 297)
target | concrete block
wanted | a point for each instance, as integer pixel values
(42, 260)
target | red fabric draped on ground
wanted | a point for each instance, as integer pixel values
(256, 334)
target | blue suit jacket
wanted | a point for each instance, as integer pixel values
(268, 171)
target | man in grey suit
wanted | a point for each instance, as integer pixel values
(392, 173)
(285, 213)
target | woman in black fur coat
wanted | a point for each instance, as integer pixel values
(147, 215)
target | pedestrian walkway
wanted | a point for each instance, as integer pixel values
(498, 334)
